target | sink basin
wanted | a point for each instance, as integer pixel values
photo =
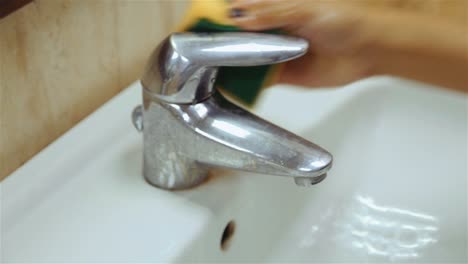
(396, 193)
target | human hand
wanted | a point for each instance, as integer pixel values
(351, 39)
(335, 30)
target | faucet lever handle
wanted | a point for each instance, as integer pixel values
(183, 67)
(238, 49)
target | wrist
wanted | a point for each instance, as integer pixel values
(397, 41)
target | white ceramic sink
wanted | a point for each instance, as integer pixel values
(396, 193)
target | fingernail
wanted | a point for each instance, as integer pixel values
(236, 12)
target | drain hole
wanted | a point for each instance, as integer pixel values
(227, 235)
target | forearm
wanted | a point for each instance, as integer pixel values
(419, 48)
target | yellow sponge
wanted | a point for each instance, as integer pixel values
(215, 11)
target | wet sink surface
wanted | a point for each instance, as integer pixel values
(397, 191)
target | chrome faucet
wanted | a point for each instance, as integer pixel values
(188, 126)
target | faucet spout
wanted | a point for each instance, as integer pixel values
(217, 133)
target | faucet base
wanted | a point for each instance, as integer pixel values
(189, 174)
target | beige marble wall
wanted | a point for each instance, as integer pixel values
(61, 59)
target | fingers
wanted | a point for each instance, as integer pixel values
(314, 70)
(264, 14)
